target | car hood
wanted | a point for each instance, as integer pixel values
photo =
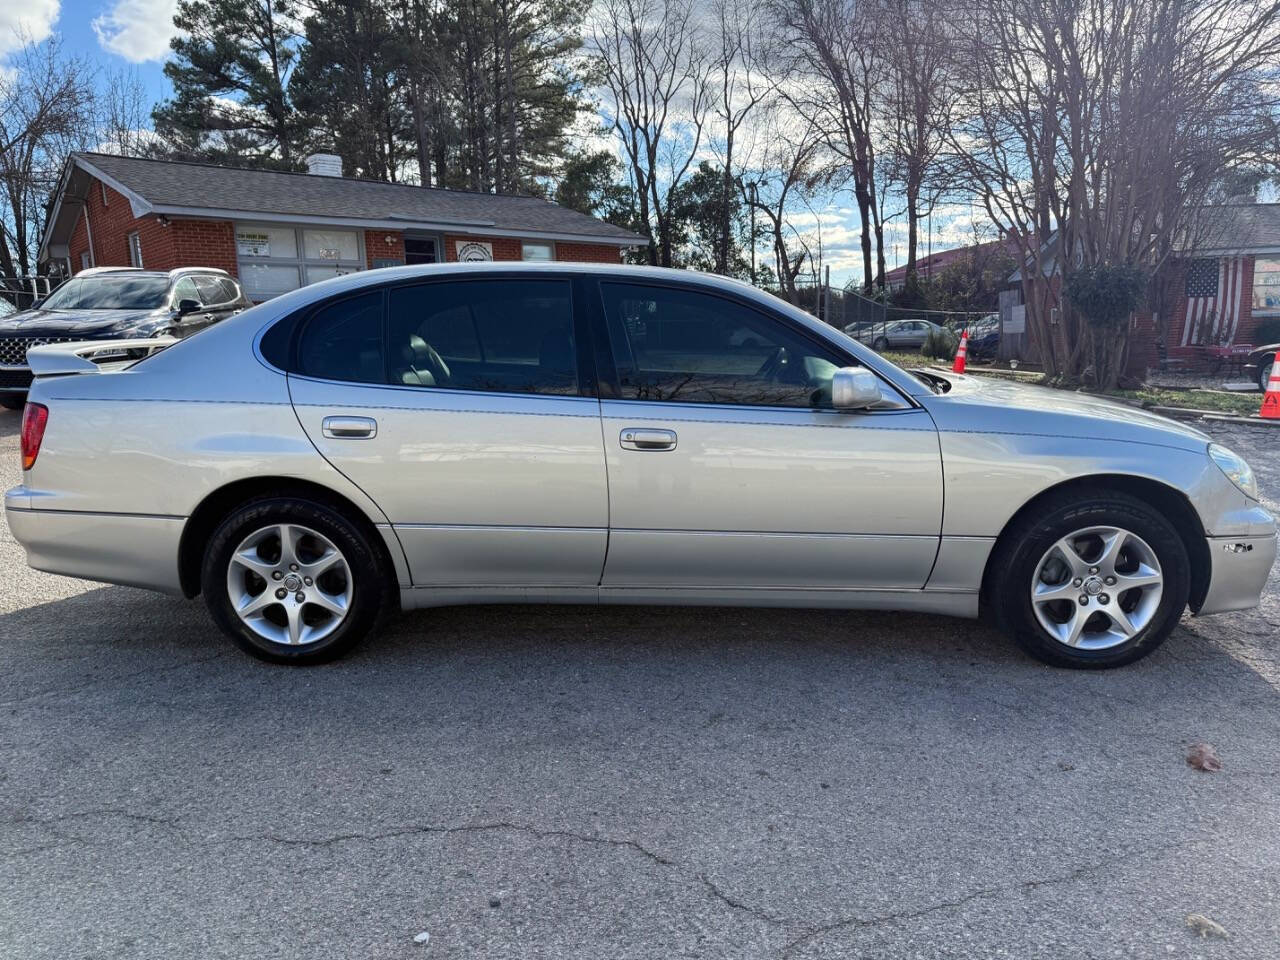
(71, 323)
(997, 405)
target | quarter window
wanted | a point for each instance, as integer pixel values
(343, 341)
(510, 336)
(684, 346)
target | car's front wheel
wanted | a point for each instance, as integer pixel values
(1090, 580)
(881, 344)
(1264, 372)
(293, 581)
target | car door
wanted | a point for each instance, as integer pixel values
(463, 409)
(186, 324)
(728, 468)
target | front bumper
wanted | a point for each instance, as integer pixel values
(130, 549)
(1239, 568)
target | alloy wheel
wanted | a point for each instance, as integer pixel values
(289, 584)
(1097, 588)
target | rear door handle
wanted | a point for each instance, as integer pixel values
(644, 438)
(349, 428)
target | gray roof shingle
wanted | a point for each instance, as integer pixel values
(262, 193)
(1235, 227)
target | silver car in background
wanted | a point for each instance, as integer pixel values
(566, 433)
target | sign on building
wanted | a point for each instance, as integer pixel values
(474, 251)
(250, 243)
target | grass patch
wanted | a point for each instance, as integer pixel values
(1241, 404)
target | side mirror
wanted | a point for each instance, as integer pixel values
(187, 306)
(854, 388)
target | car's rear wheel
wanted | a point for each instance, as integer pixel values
(1090, 580)
(292, 581)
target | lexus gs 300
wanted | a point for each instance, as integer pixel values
(565, 433)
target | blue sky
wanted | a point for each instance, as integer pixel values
(114, 35)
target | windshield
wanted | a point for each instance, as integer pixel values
(109, 292)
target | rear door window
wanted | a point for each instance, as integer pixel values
(343, 341)
(506, 336)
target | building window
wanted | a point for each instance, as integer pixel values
(1266, 286)
(84, 260)
(273, 260)
(538, 251)
(135, 250)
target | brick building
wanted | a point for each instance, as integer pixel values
(1224, 284)
(278, 231)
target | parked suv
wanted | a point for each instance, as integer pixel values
(114, 303)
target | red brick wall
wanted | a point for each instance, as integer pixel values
(203, 243)
(110, 224)
(377, 248)
(588, 252)
(183, 243)
(509, 248)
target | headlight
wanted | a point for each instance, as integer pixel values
(1237, 471)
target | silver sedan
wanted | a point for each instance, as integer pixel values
(565, 433)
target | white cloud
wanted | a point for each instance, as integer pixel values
(138, 30)
(23, 21)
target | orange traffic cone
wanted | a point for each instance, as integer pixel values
(962, 351)
(1271, 401)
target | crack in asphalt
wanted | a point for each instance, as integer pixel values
(710, 886)
(980, 894)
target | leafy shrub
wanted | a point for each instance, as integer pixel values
(940, 344)
(1106, 295)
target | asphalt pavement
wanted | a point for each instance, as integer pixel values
(523, 782)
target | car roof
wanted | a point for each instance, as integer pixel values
(143, 272)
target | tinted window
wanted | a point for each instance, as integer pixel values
(210, 290)
(230, 292)
(185, 289)
(698, 348)
(513, 336)
(109, 292)
(343, 341)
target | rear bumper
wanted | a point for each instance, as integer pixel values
(138, 551)
(1239, 570)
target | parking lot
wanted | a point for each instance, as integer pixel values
(627, 782)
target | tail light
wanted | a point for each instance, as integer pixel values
(35, 416)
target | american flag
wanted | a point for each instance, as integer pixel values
(1213, 300)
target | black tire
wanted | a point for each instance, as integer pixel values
(1264, 372)
(10, 402)
(881, 344)
(1021, 547)
(372, 589)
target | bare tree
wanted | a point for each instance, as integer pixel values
(741, 84)
(123, 115)
(1093, 132)
(836, 78)
(46, 111)
(655, 74)
(917, 50)
(779, 185)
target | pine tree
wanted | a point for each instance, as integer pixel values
(230, 73)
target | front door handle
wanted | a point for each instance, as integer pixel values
(644, 438)
(349, 428)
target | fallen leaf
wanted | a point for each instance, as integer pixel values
(422, 938)
(1201, 756)
(1204, 926)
